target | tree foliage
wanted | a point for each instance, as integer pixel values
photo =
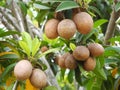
(22, 37)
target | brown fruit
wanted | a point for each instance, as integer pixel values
(89, 64)
(70, 62)
(23, 70)
(51, 28)
(95, 49)
(44, 48)
(84, 22)
(66, 28)
(38, 78)
(61, 62)
(81, 53)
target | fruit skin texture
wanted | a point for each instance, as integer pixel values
(95, 49)
(23, 70)
(70, 62)
(66, 28)
(38, 78)
(81, 53)
(61, 60)
(89, 64)
(84, 22)
(51, 28)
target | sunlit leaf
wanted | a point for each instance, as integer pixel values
(35, 46)
(72, 46)
(25, 47)
(27, 39)
(99, 22)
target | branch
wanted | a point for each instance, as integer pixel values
(111, 26)
(32, 28)
(18, 15)
(10, 18)
(50, 75)
(8, 25)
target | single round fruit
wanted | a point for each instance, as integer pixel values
(84, 22)
(66, 28)
(81, 53)
(89, 64)
(95, 49)
(38, 78)
(51, 28)
(23, 70)
(70, 62)
(61, 62)
(44, 48)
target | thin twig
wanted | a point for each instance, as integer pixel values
(15, 85)
(111, 26)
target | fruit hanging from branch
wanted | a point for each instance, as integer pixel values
(84, 22)
(66, 28)
(23, 70)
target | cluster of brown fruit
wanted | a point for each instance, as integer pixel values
(24, 70)
(66, 28)
(81, 53)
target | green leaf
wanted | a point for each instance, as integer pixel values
(58, 0)
(99, 22)
(72, 46)
(23, 8)
(9, 56)
(50, 88)
(67, 5)
(96, 10)
(48, 51)
(99, 71)
(113, 48)
(116, 38)
(7, 33)
(27, 39)
(78, 76)
(90, 84)
(6, 44)
(40, 6)
(35, 46)
(24, 46)
(86, 37)
(62, 73)
(70, 76)
(7, 70)
(117, 7)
